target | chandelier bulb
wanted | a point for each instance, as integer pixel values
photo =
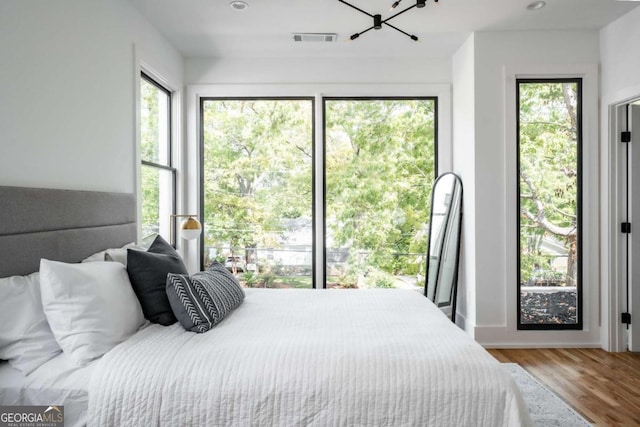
(395, 4)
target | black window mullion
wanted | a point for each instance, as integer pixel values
(159, 166)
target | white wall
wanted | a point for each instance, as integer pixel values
(67, 91)
(620, 58)
(493, 202)
(464, 145)
(620, 82)
(316, 70)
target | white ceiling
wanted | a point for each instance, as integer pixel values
(211, 28)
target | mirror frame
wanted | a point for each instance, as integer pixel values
(433, 287)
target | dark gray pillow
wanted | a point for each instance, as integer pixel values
(201, 301)
(148, 275)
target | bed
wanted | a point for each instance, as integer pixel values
(66, 226)
(282, 357)
(56, 382)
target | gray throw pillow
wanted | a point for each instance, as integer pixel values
(201, 301)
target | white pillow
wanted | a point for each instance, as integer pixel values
(90, 307)
(26, 340)
(120, 254)
(114, 254)
(98, 256)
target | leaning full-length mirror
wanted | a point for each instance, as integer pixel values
(444, 243)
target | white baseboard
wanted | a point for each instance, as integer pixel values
(510, 337)
(525, 345)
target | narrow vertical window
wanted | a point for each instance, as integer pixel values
(549, 203)
(257, 189)
(158, 176)
(380, 159)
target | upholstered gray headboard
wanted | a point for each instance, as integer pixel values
(62, 225)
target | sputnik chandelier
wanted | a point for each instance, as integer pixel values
(378, 22)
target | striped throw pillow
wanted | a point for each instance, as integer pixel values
(202, 300)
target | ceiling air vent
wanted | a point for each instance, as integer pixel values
(314, 37)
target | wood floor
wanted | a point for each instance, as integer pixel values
(603, 387)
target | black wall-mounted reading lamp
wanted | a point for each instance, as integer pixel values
(378, 22)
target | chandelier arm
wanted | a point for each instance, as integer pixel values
(368, 29)
(356, 35)
(356, 8)
(399, 13)
(398, 29)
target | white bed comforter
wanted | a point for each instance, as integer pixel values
(57, 382)
(304, 357)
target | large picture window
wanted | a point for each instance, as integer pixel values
(380, 166)
(158, 176)
(549, 203)
(257, 189)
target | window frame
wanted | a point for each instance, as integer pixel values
(579, 325)
(434, 98)
(194, 92)
(170, 152)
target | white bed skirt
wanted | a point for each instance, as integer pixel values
(308, 358)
